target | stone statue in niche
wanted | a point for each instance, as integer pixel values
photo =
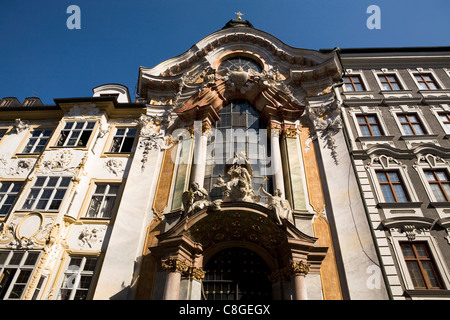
(280, 206)
(195, 199)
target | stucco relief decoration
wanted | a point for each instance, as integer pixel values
(386, 162)
(60, 161)
(430, 159)
(326, 121)
(17, 166)
(21, 125)
(152, 135)
(25, 232)
(83, 110)
(242, 81)
(114, 166)
(90, 236)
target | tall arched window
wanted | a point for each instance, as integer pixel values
(239, 129)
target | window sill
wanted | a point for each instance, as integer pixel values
(104, 221)
(375, 138)
(440, 204)
(27, 155)
(419, 137)
(116, 154)
(84, 148)
(431, 293)
(399, 205)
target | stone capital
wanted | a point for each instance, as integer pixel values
(195, 273)
(299, 268)
(174, 265)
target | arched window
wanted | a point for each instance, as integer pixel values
(238, 130)
(246, 63)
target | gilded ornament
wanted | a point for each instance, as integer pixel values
(299, 268)
(174, 265)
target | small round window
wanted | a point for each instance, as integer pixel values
(245, 63)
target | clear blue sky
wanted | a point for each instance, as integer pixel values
(40, 56)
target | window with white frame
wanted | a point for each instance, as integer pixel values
(103, 200)
(392, 186)
(77, 278)
(421, 265)
(425, 81)
(123, 140)
(439, 182)
(411, 124)
(9, 190)
(445, 119)
(353, 83)
(370, 125)
(16, 268)
(47, 193)
(389, 82)
(37, 141)
(76, 133)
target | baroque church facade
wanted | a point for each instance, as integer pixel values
(245, 169)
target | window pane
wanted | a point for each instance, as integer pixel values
(361, 120)
(431, 274)
(376, 130)
(388, 196)
(393, 176)
(365, 131)
(381, 177)
(415, 274)
(408, 130)
(418, 129)
(437, 192)
(400, 193)
(430, 176)
(441, 175)
(407, 250)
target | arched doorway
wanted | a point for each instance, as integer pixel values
(236, 274)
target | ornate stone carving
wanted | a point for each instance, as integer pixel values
(326, 121)
(152, 135)
(174, 265)
(239, 186)
(61, 161)
(280, 206)
(89, 236)
(299, 268)
(21, 125)
(114, 166)
(195, 273)
(195, 199)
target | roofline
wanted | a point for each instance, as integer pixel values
(390, 50)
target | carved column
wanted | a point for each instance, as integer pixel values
(174, 267)
(277, 165)
(299, 270)
(200, 144)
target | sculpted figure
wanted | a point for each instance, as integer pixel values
(280, 206)
(195, 199)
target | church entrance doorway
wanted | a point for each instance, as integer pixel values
(236, 274)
